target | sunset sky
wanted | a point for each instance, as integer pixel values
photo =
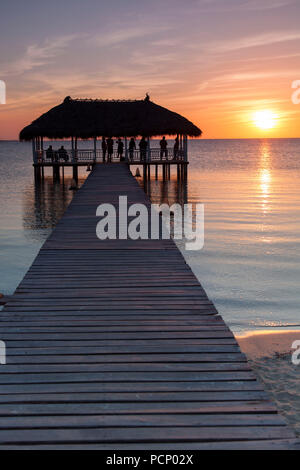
(217, 62)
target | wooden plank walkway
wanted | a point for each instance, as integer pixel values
(115, 345)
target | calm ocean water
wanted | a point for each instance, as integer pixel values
(250, 263)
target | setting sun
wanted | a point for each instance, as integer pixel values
(265, 119)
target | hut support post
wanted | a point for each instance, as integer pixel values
(34, 151)
(75, 149)
(156, 171)
(37, 167)
(185, 148)
(38, 147)
(148, 150)
(42, 157)
(126, 149)
(75, 167)
(95, 149)
(72, 144)
(42, 148)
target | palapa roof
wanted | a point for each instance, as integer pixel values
(84, 118)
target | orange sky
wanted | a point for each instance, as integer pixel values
(216, 62)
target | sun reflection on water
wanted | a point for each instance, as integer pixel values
(265, 177)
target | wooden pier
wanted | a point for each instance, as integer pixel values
(114, 345)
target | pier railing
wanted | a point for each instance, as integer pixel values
(154, 155)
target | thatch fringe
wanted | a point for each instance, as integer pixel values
(84, 118)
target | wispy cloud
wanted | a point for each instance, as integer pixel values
(244, 5)
(37, 55)
(168, 42)
(245, 76)
(120, 36)
(152, 60)
(263, 39)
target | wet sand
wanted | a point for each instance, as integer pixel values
(268, 343)
(270, 355)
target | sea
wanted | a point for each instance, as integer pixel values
(250, 262)
(250, 188)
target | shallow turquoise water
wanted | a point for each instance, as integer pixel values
(250, 263)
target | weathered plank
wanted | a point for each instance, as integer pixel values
(144, 434)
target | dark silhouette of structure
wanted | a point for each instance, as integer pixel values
(87, 119)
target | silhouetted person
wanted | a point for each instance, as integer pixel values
(62, 154)
(143, 148)
(120, 149)
(132, 148)
(163, 148)
(49, 152)
(176, 147)
(104, 149)
(110, 148)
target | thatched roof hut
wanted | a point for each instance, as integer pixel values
(91, 118)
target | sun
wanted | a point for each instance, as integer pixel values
(265, 119)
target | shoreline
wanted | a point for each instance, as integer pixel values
(267, 343)
(270, 355)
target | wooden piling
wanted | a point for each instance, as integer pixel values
(37, 173)
(75, 173)
(56, 172)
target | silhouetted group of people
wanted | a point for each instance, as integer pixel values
(56, 155)
(107, 146)
(164, 148)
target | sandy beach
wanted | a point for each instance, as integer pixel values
(270, 355)
(263, 344)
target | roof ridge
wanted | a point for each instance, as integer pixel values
(101, 100)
